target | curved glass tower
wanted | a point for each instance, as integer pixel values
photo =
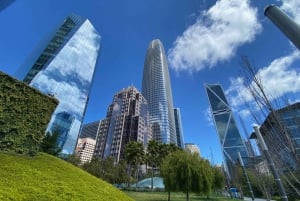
(64, 68)
(156, 88)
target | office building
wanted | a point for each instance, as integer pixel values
(192, 148)
(229, 135)
(178, 126)
(90, 130)
(156, 88)
(281, 133)
(64, 68)
(85, 149)
(127, 119)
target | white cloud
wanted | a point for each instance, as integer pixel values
(208, 116)
(70, 97)
(292, 7)
(278, 79)
(215, 36)
(78, 57)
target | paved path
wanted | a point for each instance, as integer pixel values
(256, 199)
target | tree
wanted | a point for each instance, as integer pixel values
(49, 144)
(73, 159)
(120, 172)
(219, 178)
(94, 167)
(182, 171)
(165, 150)
(152, 157)
(107, 170)
(282, 145)
(134, 155)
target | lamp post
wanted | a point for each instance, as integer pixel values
(270, 162)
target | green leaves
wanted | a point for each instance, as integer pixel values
(49, 144)
(187, 172)
(134, 153)
(24, 115)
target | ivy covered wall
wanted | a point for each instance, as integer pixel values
(24, 115)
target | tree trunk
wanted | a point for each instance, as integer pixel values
(136, 176)
(129, 175)
(169, 196)
(187, 196)
(152, 177)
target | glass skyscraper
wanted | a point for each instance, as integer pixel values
(178, 126)
(64, 68)
(156, 88)
(229, 135)
(281, 133)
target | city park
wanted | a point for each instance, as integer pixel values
(29, 172)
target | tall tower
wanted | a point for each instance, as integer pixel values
(126, 120)
(229, 135)
(156, 88)
(64, 68)
(178, 125)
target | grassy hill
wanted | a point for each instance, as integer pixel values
(47, 178)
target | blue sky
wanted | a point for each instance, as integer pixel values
(203, 41)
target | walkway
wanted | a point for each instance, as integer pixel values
(256, 199)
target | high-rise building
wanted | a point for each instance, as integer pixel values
(64, 68)
(178, 126)
(229, 135)
(85, 149)
(281, 133)
(127, 119)
(90, 130)
(156, 88)
(5, 3)
(192, 148)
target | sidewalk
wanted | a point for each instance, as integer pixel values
(256, 199)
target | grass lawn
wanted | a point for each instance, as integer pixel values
(47, 178)
(163, 196)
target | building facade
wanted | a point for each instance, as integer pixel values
(156, 88)
(192, 148)
(127, 119)
(281, 133)
(229, 135)
(178, 126)
(90, 130)
(64, 68)
(85, 149)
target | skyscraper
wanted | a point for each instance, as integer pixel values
(281, 133)
(64, 69)
(90, 130)
(192, 148)
(156, 88)
(126, 120)
(85, 149)
(178, 126)
(229, 135)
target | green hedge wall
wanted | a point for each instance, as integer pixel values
(24, 115)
